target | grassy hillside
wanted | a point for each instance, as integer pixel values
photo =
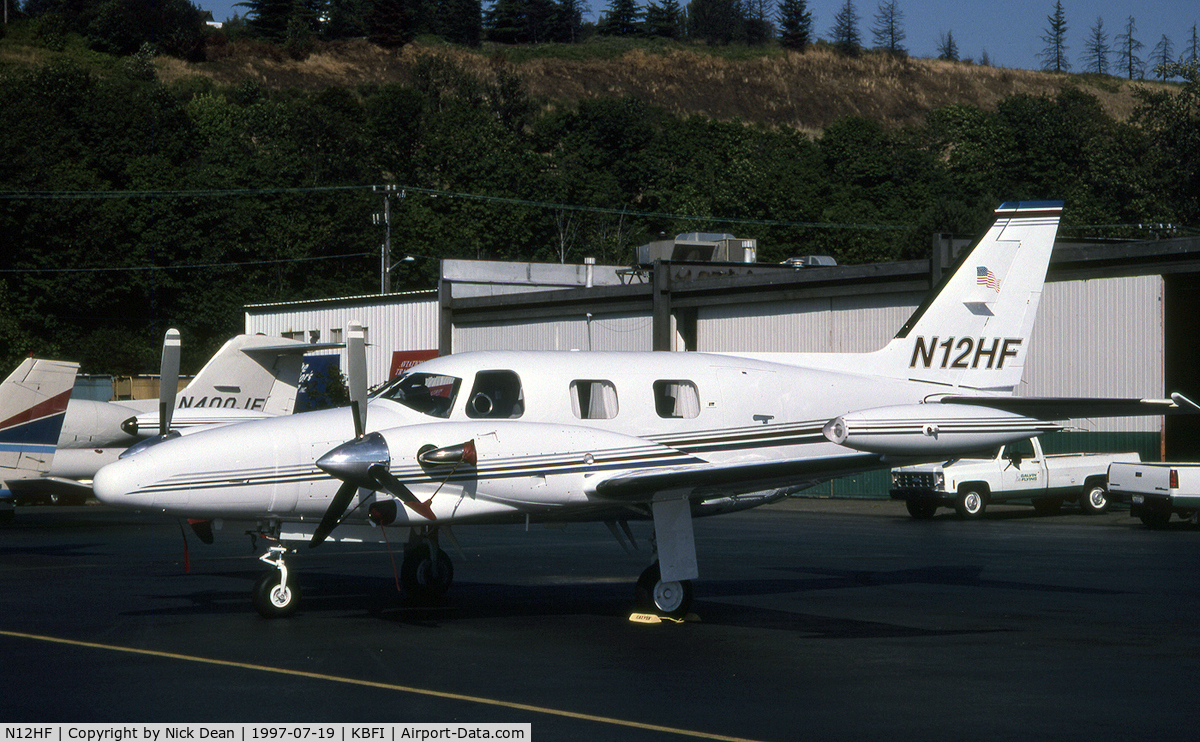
(807, 91)
(762, 84)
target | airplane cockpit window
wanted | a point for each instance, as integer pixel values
(496, 394)
(430, 394)
(676, 399)
(593, 400)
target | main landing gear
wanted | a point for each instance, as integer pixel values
(665, 599)
(427, 572)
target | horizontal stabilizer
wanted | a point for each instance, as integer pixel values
(931, 430)
(1065, 408)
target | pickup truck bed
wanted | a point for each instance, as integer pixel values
(1157, 490)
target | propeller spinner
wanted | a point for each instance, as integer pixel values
(362, 462)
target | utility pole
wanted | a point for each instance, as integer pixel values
(385, 250)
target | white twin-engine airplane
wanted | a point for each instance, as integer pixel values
(532, 436)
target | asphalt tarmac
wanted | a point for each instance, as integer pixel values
(818, 620)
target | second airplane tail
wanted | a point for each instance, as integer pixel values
(33, 404)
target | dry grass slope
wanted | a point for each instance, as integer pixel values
(805, 91)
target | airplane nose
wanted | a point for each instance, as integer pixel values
(351, 461)
(116, 482)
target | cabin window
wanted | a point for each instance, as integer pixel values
(496, 394)
(429, 394)
(593, 400)
(676, 399)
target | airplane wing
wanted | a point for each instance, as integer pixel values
(58, 488)
(728, 479)
(1062, 408)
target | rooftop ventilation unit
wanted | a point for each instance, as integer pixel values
(699, 247)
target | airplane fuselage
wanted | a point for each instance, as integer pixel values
(545, 425)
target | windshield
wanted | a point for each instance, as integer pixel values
(429, 394)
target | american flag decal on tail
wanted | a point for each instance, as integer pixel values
(985, 277)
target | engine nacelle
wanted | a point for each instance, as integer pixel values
(932, 429)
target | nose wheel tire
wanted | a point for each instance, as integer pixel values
(670, 599)
(274, 599)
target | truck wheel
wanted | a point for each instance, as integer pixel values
(920, 509)
(1094, 498)
(971, 502)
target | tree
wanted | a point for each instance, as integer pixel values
(391, 23)
(846, 36)
(1161, 57)
(460, 21)
(570, 19)
(1096, 49)
(1128, 48)
(346, 19)
(268, 19)
(1172, 122)
(888, 31)
(1054, 55)
(947, 47)
(795, 23)
(758, 28)
(621, 20)
(663, 20)
(716, 21)
(1193, 52)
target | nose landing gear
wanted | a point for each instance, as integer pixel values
(274, 595)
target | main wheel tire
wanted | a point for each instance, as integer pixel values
(971, 503)
(920, 509)
(423, 578)
(275, 600)
(670, 599)
(1094, 499)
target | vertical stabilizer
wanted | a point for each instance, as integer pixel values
(249, 372)
(33, 405)
(974, 331)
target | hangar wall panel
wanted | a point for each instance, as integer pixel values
(841, 324)
(1100, 338)
(398, 325)
(607, 332)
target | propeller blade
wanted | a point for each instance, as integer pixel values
(396, 488)
(337, 507)
(356, 373)
(168, 380)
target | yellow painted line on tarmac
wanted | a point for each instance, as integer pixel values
(382, 686)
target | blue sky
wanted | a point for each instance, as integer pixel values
(1009, 31)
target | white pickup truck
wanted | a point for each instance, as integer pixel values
(1156, 490)
(1018, 471)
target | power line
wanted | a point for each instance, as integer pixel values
(220, 193)
(182, 267)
